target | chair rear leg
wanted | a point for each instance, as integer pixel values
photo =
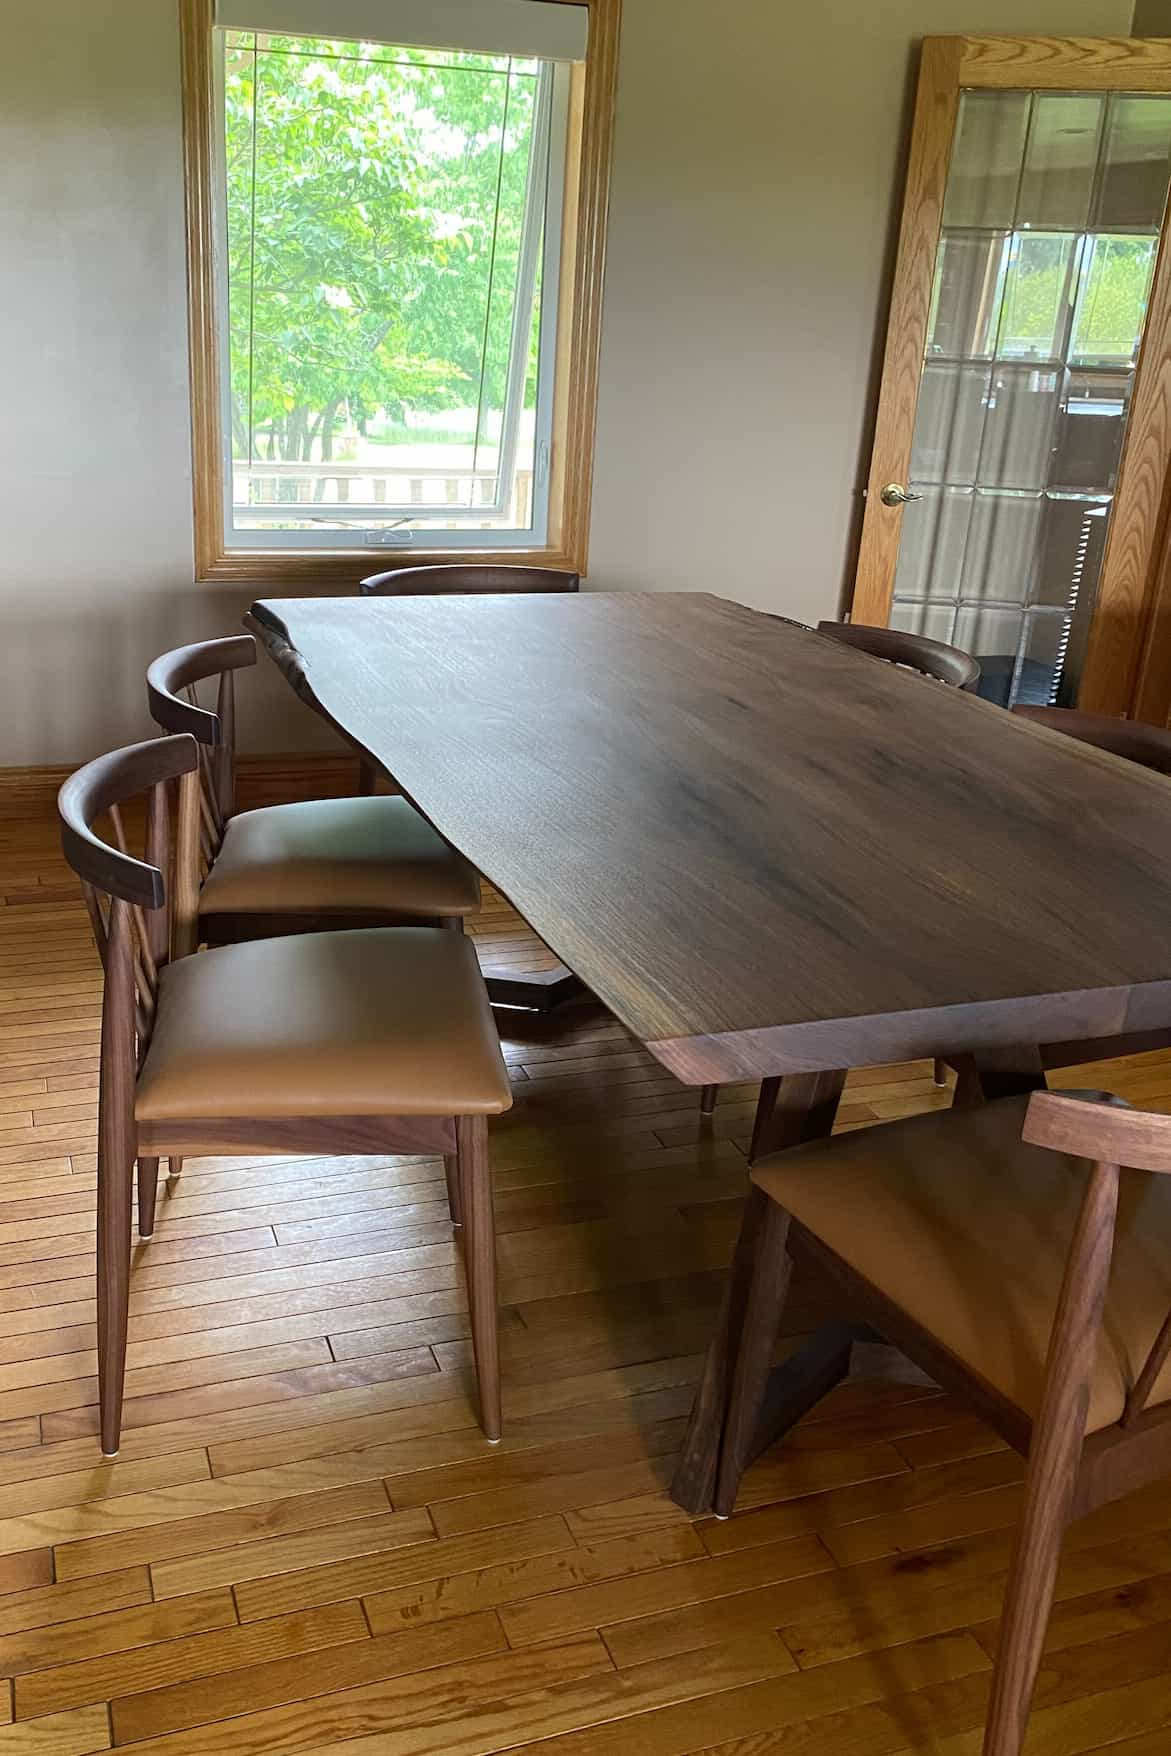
(771, 1270)
(451, 1172)
(1025, 1616)
(115, 1177)
(707, 1099)
(148, 1188)
(475, 1181)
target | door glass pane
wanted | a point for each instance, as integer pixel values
(1112, 304)
(1132, 188)
(949, 425)
(967, 295)
(1018, 427)
(986, 159)
(1058, 181)
(1037, 299)
(932, 544)
(1043, 277)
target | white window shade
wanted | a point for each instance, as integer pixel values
(549, 30)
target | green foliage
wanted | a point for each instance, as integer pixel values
(1041, 277)
(372, 267)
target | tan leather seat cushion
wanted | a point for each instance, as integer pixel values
(377, 1021)
(330, 855)
(967, 1229)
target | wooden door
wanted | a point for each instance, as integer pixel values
(1016, 500)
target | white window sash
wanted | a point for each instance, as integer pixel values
(542, 213)
(545, 30)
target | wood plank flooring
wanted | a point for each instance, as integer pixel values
(305, 1544)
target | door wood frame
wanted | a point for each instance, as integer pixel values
(1127, 669)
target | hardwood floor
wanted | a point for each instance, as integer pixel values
(305, 1544)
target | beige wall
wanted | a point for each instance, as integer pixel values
(757, 159)
(757, 180)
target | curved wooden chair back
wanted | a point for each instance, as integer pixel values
(440, 581)
(1150, 746)
(142, 910)
(931, 658)
(175, 707)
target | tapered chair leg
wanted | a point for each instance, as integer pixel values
(707, 1099)
(939, 1071)
(475, 1179)
(451, 1172)
(762, 1317)
(174, 1166)
(1025, 1616)
(148, 1187)
(1054, 1459)
(115, 1176)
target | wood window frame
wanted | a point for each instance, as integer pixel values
(579, 322)
(1128, 659)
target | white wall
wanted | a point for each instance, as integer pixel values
(758, 156)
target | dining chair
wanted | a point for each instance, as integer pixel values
(1150, 747)
(447, 579)
(375, 1040)
(294, 868)
(1007, 1255)
(932, 658)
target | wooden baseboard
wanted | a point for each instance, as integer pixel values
(261, 780)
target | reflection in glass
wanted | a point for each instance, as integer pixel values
(986, 158)
(1018, 426)
(1088, 442)
(949, 423)
(1042, 282)
(1132, 187)
(1112, 304)
(1057, 183)
(1001, 550)
(932, 543)
(966, 295)
(1038, 296)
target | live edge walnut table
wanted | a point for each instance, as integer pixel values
(770, 856)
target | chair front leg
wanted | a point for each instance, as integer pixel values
(115, 1179)
(475, 1187)
(1054, 1460)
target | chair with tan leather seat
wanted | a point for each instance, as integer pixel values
(1006, 1254)
(318, 864)
(448, 579)
(370, 1040)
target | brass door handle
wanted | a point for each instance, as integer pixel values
(894, 494)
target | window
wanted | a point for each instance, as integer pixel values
(391, 324)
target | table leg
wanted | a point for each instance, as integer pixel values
(1009, 1072)
(542, 991)
(800, 1107)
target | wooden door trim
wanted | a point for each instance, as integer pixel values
(936, 104)
(1126, 670)
(1117, 677)
(1037, 63)
(579, 330)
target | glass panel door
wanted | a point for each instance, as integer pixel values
(1051, 225)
